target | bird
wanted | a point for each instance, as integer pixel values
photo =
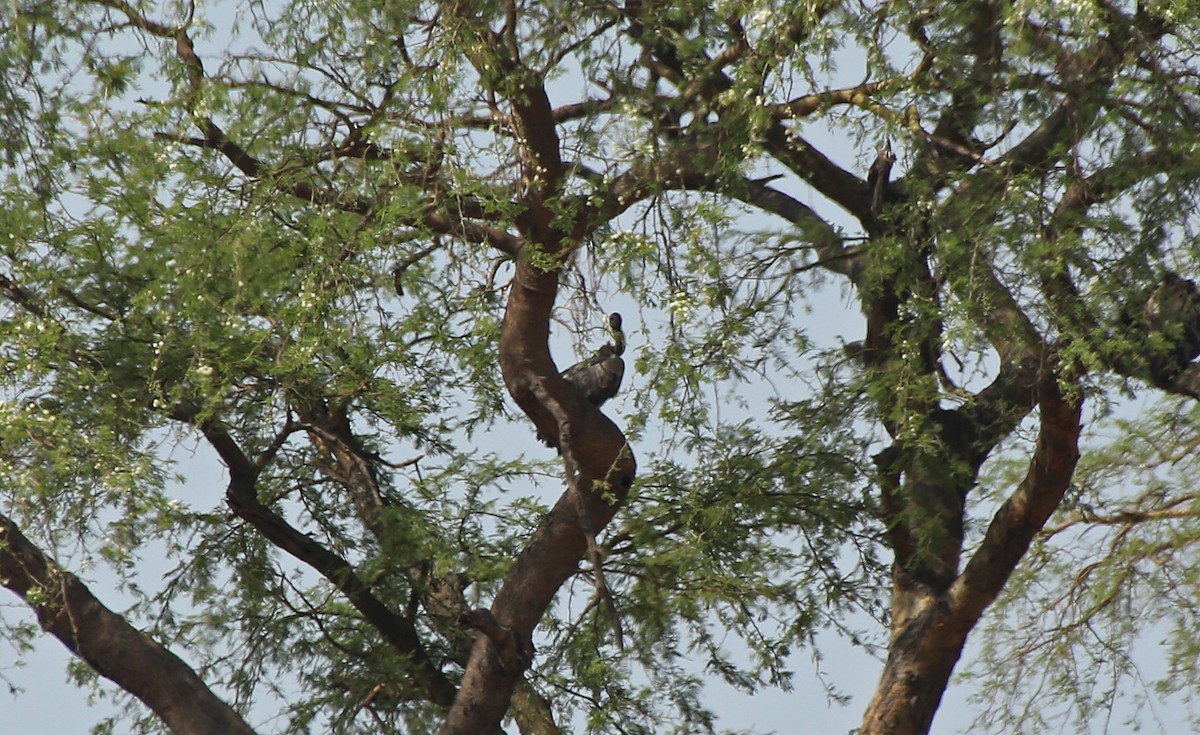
(1173, 312)
(598, 378)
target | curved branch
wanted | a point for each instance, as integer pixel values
(842, 187)
(1026, 511)
(109, 644)
(606, 470)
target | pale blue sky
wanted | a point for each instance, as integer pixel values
(49, 704)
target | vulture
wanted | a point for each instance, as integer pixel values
(598, 378)
(1173, 311)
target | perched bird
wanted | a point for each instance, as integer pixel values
(598, 377)
(1173, 312)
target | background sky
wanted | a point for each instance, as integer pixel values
(50, 704)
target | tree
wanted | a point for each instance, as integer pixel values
(327, 242)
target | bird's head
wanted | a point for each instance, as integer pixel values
(614, 323)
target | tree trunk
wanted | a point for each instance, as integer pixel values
(922, 656)
(930, 628)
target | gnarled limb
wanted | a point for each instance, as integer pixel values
(553, 553)
(109, 644)
(928, 640)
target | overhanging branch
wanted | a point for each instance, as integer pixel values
(67, 609)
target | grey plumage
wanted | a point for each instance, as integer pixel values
(598, 377)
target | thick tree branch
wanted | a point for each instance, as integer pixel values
(928, 637)
(552, 555)
(109, 644)
(1026, 511)
(844, 188)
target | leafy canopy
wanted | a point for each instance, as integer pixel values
(873, 259)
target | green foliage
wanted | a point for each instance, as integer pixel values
(305, 248)
(1074, 625)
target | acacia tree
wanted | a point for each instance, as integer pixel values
(324, 241)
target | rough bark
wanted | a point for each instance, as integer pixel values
(930, 627)
(110, 645)
(553, 553)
